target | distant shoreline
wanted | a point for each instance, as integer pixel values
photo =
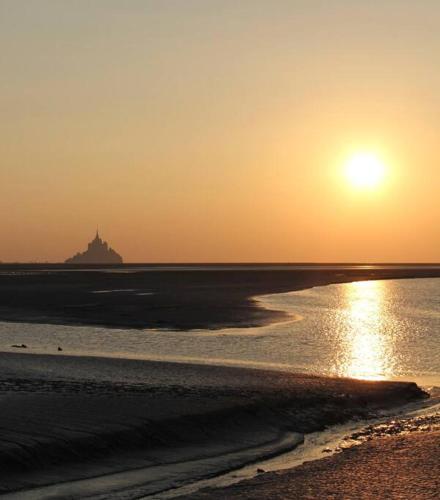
(223, 264)
(167, 299)
(177, 299)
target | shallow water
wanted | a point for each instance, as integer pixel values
(372, 329)
(317, 445)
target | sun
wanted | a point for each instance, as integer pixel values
(365, 170)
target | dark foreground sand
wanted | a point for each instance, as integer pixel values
(396, 463)
(64, 418)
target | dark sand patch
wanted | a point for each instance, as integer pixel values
(65, 417)
(179, 299)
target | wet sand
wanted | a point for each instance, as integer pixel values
(395, 463)
(176, 299)
(64, 418)
(67, 420)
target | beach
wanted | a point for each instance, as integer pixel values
(168, 297)
(400, 464)
(68, 418)
(124, 412)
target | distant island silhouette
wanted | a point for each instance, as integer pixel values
(98, 252)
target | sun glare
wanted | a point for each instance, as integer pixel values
(365, 170)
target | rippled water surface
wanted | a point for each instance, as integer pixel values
(370, 329)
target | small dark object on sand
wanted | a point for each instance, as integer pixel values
(260, 471)
(19, 346)
(60, 348)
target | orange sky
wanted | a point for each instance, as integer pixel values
(211, 131)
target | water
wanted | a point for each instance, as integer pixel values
(372, 330)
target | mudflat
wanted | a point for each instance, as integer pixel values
(65, 417)
(177, 298)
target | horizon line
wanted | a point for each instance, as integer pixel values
(227, 263)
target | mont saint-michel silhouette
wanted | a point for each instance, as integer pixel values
(98, 252)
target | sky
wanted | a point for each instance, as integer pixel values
(218, 131)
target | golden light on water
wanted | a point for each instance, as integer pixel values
(365, 170)
(367, 347)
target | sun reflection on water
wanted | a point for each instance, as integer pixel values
(366, 346)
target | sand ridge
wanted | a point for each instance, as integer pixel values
(65, 417)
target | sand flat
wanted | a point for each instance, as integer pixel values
(396, 467)
(64, 417)
(178, 299)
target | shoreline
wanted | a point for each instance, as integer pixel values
(318, 446)
(56, 410)
(91, 421)
(179, 300)
(398, 459)
(422, 378)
